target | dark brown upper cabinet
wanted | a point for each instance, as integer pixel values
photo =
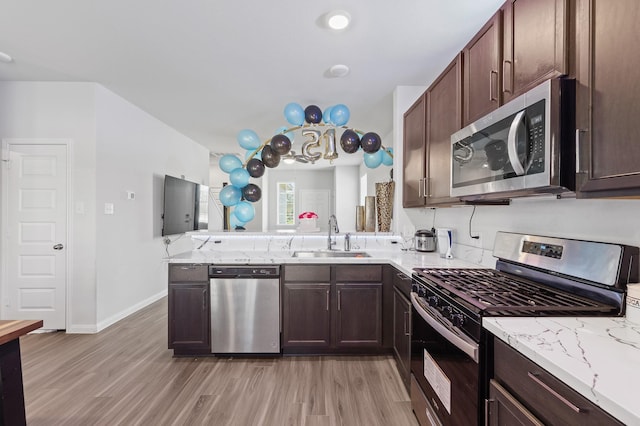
(444, 117)
(482, 59)
(608, 90)
(413, 163)
(535, 44)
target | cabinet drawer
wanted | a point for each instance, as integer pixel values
(359, 273)
(402, 282)
(188, 272)
(307, 273)
(548, 398)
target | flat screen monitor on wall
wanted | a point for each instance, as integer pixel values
(185, 206)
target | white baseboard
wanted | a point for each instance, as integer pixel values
(82, 329)
(91, 329)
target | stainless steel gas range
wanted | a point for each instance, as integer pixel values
(534, 276)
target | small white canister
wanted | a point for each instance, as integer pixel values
(633, 303)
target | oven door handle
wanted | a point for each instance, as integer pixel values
(462, 342)
(512, 144)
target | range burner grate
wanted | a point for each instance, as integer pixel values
(494, 292)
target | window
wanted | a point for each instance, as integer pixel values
(286, 203)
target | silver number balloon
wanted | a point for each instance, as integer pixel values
(330, 152)
(312, 142)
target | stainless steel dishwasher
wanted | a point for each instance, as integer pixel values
(245, 309)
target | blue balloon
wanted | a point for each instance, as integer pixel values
(340, 115)
(248, 154)
(230, 195)
(244, 211)
(373, 160)
(229, 162)
(239, 177)
(248, 139)
(326, 117)
(234, 221)
(387, 159)
(294, 113)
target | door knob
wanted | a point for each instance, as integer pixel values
(58, 247)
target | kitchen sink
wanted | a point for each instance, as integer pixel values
(329, 253)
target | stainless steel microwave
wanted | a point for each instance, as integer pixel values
(524, 147)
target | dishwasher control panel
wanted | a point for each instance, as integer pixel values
(245, 271)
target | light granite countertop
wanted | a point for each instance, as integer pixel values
(404, 261)
(598, 357)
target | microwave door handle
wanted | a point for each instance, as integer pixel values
(512, 144)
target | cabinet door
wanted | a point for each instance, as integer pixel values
(402, 334)
(413, 165)
(608, 90)
(359, 315)
(534, 44)
(504, 409)
(481, 62)
(306, 318)
(189, 327)
(444, 112)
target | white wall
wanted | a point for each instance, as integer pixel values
(134, 151)
(115, 261)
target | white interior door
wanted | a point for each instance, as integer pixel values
(35, 229)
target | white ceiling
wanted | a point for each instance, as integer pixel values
(210, 68)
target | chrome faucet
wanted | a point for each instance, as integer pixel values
(333, 227)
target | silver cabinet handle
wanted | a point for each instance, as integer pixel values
(578, 168)
(204, 299)
(491, 74)
(486, 410)
(58, 247)
(327, 300)
(420, 187)
(338, 299)
(504, 77)
(403, 277)
(546, 387)
(406, 323)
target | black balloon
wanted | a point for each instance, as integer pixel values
(281, 144)
(255, 168)
(370, 142)
(270, 158)
(349, 141)
(252, 192)
(313, 114)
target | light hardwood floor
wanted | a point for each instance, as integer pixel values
(125, 375)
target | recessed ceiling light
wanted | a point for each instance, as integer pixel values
(338, 19)
(5, 58)
(339, 70)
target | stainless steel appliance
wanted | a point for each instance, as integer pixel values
(245, 309)
(526, 146)
(534, 276)
(425, 240)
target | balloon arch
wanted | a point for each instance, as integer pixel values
(241, 193)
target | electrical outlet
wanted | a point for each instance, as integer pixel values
(477, 242)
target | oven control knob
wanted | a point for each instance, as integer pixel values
(457, 320)
(414, 288)
(447, 311)
(433, 301)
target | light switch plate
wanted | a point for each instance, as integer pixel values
(108, 208)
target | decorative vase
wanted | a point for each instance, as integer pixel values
(384, 205)
(360, 218)
(370, 213)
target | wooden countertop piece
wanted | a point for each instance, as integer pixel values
(12, 329)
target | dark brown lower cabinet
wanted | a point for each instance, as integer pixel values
(402, 334)
(306, 315)
(332, 309)
(539, 395)
(504, 409)
(189, 327)
(359, 315)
